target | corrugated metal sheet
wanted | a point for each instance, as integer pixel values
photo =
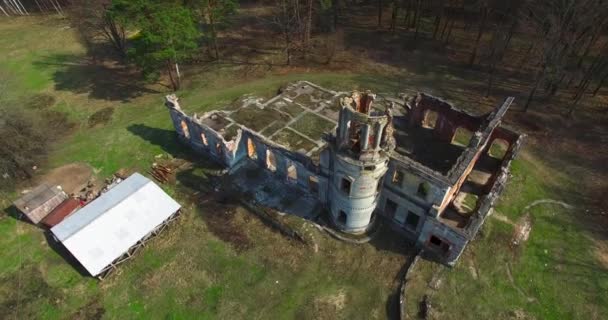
(39, 202)
(103, 230)
(58, 214)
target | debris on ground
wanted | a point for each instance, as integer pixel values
(161, 173)
(522, 230)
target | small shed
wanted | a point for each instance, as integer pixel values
(110, 228)
(63, 210)
(40, 201)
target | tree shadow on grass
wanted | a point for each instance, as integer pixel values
(166, 139)
(101, 79)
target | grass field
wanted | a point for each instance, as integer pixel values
(190, 272)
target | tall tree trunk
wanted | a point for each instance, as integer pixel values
(308, 29)
(490, 79)
(447, 37)
(438, 18)
(394, 15)
(417, 22)
(379, 14)
(482, 25)
(406, 16)
(174, 84)
(539, 77)
(416, 12)
(600, 84)
(335, 8)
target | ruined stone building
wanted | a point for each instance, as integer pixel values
(417, 163)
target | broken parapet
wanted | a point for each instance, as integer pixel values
(487, 202)
(171, 101)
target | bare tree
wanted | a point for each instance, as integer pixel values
(93, 21)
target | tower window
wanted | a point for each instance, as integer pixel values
(412, 220)
(342, 217)
(204, 139)
(345, 185)
(313, 184)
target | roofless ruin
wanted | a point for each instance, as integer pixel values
(428, 169)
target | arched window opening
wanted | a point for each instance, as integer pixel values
(204, 139)
(251, 151)
(430, 119)
(185, 130)
(271, 161)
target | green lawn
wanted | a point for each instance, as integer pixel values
(189, 272)
(554, 275)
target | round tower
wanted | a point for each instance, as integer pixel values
(359, 153)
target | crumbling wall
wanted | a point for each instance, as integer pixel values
(496, 186)
(306, 171)
(478, 144)
(200, 137)
(455, 241)
(449, 118)
(203, 139)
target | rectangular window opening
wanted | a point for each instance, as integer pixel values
(390, 208)
(412, 220)
(345, 186)
(313, 184)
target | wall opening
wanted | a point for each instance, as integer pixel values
(185, 130)
(292, 172)
(218, 148)
(251, 151)
(462, 137)
(313, 184)
(412, 220)
(390, 208)
(439, 244)
(271, 161)
(342, 217)
(423, 190)
(498, 149)
(429, 120)
(397, 177)
(345, 185)
(204, 139)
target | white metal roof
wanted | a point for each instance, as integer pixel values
(108, 226)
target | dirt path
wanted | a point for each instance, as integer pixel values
(71, 177)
